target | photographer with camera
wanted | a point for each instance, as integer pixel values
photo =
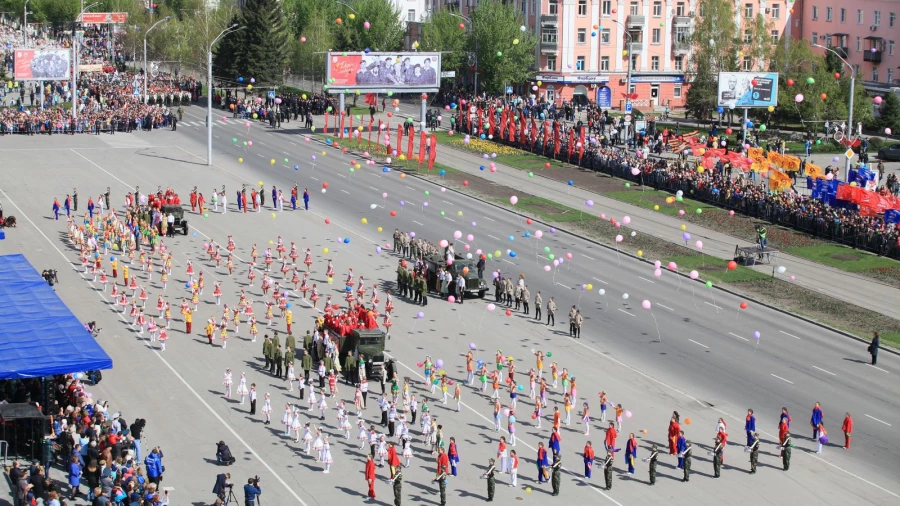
(251, 490)
(222, 487)
(50, 276)
(223, 454)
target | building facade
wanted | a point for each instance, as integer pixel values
(864, 32)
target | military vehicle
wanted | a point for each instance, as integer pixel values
(475, 286)
(369, 342)
(178, 211)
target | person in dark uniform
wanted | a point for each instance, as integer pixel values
(607, 470)
(441, 479)
(556, 470)
(717, 458)
(754, 452)
(74, 199)
(686, 455)
(654, 455)
(279, 361)
(873, 347)
(786, 451)
(267, 351)
(397, 480)
(491, 481)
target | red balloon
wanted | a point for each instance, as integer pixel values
(837, 75)
(743, 305)
(465, 183)
(790, 82)
(393, 213)
(462, 26)
(424, 96)
(547, 165)
(728, 131)
(732, 265)
(324, 185)
(508, 313)
(403, 263)
(528, 221)
(753, 82)
(327, 221)
(612, 220)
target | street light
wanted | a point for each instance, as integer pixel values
(852, 87)
(628, 77)
(25, 24)
(163, 20)
(75, 61)
(467, 20)
(209, 89)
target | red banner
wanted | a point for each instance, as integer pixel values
(371, 120)
(491, 120)
(409, 147)
(433, 155)
(104, 18)
(341, 132)
(46, 64)
(581, 147)
(423, 140)
(512, 129)
(371, 99)
(556, 140)
(480, 121)
(546, 135)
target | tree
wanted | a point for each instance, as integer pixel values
(889, 113)
(441, 32)
(701, 98)
(260, 50)
(760, 47)
(385, 32)
(716, 46)
(505, 52)
(308, 58)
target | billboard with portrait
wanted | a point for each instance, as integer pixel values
(43, 64)
(104, 18)
(748, 89)
(374, 72)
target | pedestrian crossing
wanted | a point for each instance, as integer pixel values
(201, 124)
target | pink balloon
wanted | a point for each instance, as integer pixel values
(695, 274)
(602, 216)
(628, 413)
(569, 256)
(547, 268)
(466, 246)
(513, 199)
(657, 272)
(730, 213)
(699, 244)
(681, 212)
(491, 307)
(247, 124)
(645, 304)
(618, 225)
(556, 263)
(618, 238)
(538, 234)
(506, 412)
(793, 278)
(657, 264)
(451, 299)
(673, 266)
(457, 234)
(635, 171)
(626, 220)
(470, 237)
(384, 195)
(249, 143)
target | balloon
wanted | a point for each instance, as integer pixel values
(732, 265)
(699, 244)
(694, 274)
(601, 291)
(625, 296)
(508, 312)
(491, 307)
(687, 421)
(513, 200)
(709, 284)
(628, 415)
(798, 98)
(626, 220)
(547, 268)
(782, 269)
(657, 272)
(470, 237)
(619, 238)
(756, 335)
(743, 305)
(420, 315)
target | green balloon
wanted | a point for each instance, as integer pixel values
(442, 213)
(551, 256)
(818, 141)
(762, 128)
(499, 54)
(549, 354)
(531, 174)
(546, 249)
(699, 211)
(810, 80)
(490, 256)
(709, 284)
(679, 198)
(390, 93)
(627, 185)
(234, 139)
(285, 160)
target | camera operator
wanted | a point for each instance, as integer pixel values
(251, 490)
(223, 454)
(49, 275)
(222, 486)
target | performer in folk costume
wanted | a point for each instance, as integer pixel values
(267, 409)
(227, 381)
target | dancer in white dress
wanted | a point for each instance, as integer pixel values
(307, 438)
(363, 436)
(326, 455)
(323, 404)
(286, 419)
(227, 380)
(381, 452)
(407, 450)
(267, 409)
(317, 445)
(311, 401)
(296, 425)
(242, 387)
(291, 377)
(345, 424)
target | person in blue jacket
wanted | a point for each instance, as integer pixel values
(74, 476)
(815, 420)
(306, 199)
(251, 490)
(681, 446)
(750, 426)
(154, 466)
(56, 208)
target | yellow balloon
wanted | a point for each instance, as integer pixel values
(402, 157)
(303, 96)
(357, 166)
(640, 253)
(589, 287)
(364, 221)
(273, 215)
(323, 153)
(325, 250)
(360, 128)
(352, 16)
(624, 53)
(540, 83)
(272, 161)
(330, 280)
(771, 108)
(260, 183)
(515, 42)
(312, 129)
(459, 213)
(656, 208)
(271, 242)
(249, 87)
(240, 160)
(701, 170)
(380, 229)
(683, 228)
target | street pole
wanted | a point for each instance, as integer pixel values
(25, 24)
(75, 58)
(163, 20)
(209, 90)
(852, 93)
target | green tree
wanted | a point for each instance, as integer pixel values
(260, 50)
(701, 98)
(385, 32)
(716, 38)
(760, 48)
(889, 113)
(308, 58)
(505, 53)
(441, 32)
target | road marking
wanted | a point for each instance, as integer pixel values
(372, 187)
(626, 312)
(647, 280)
(292, 143)
(560, 284)
(880, 369)
(823, 370)
(216, 136)
(713, 305)
(494, 238)
(259, 155)
(507, 261)
(739, 337)
(695, 342)
(491, 219)
(417, 223)
(877, 420)
(667, 307)
(313, 178)
(408, 188)
(345, 191)
(449, 219)
(155, 352)
(782, 379)
(785, 333)
(343, 176)
(599, 280)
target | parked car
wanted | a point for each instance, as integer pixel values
(891, 152)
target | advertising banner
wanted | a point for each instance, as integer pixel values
(401, 72)
(104, 18)
(43, 64)
(748, 89)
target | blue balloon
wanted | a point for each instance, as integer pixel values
(453, 106)
(512, 254)
(542, 115)
(187, 285)
(346, 240)
(327, 141)
(527, 234)
(366, 50)
(296, 167)
(720, 110)
(749, 124)
(112, 259)
(571, 183)
(442, 172)
(481, 167)
(385, 169)
(511, 238)
(347, 288)
(240, 79)
(482, 137)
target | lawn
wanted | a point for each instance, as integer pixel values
(650, 199)
(715, 270)
(851, 260)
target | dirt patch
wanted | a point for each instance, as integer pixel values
(846, 257)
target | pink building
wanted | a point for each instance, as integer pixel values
(864, 32)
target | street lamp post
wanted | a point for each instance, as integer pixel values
(628, 76)
(75, 60)
(852, 89)
(209, 90)
(163, 20)
(25, 24)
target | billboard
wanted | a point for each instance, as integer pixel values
(748, 89)
(403, 72)
(43, 64)
(104, 18)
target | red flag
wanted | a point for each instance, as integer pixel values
(326, 122)
(556, 142)
(581, 149)
(423, 140)
(522, 127)
(533, 131)
(399, 138)
(504, 122)
(512, 129)
(546, 134)
(433, 153)
(409, 147)
(491, 120)
(480, 121)
(371, 120)
(571, 142)
(341, 133)
(371, 99)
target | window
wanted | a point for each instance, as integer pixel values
(604, 63)
(748, 63)
(875, 74)
(856, 68)
(634, 10)
(604, 36)
(548, 34)
(748, 10)
(877, 20)
(858, 44)
(632, 89)
(524, 3)
(776, 11)
(554, 9)
(843, 14)
(656, 36)
(682, 34)
(654, 63)
(606, 7)
(828, 13)
(551, 63)
(859, 16)
(582, 7)
(579, 63)
(634, 62)
(892, 18)
(815, 13)
(411, 15)
(748, 36)
(815, 38)
(774, 36)
(657, 9)
(891, 47)
(679, 9)
(679, 63)
(890, 76)
(676, 91)
(582, 35)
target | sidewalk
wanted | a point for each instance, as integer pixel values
(841, 285)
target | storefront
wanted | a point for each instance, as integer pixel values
(654, 90)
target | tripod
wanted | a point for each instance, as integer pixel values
(231, 497)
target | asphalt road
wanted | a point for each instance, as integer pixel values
(694, 352)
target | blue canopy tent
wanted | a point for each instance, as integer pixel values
(39, 335)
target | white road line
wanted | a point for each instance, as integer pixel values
(490, 219)
(292, 143)
(418, 223)
(823, 370)
(216, 136)
(408, 188)
(785, 333)
(313, 178)
(345, 191)
(589, 258)
(626, 312)
(259, 155)
(647, 280)
(156, 352)
(448, 203)
(493, 237)
(560, 284)
(695, 342)
(666, 307)
(877, 420)
(372, 187)
(711, 304)
(782, 379)
(880, 369)
(449, 219)
(739, 337)
(507, 261)
(595, 279)
(374, 174)
(343, 176)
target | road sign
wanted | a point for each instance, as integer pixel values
(628, 118)
(271, 94)
(448, 73)
(849, 153)
(509, 90)
(628, 107)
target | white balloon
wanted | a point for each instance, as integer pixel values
(625, 296)
(782, 269)
(601, 291)
(373, 206)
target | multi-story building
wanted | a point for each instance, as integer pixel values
(864, 32)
